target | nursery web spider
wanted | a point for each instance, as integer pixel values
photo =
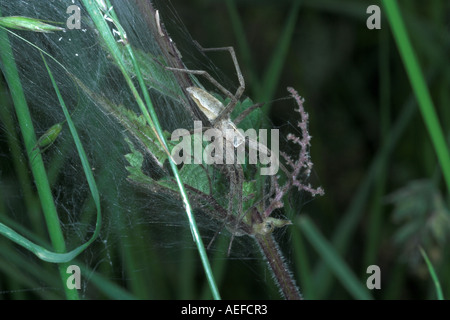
(219, 117)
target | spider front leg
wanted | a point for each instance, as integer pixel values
(241, 88)
(236, 186)
(225, 113)
(207, 76)
(235, 177)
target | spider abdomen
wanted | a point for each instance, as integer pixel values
(208, 104)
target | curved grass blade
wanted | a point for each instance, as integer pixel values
(83, 158)
(39, 251)
(433, 274)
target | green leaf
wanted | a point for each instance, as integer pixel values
(136, 159)
(195, 176)
(136, 125)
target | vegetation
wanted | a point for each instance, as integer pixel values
(85, 177)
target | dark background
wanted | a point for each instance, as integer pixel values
(359, 99)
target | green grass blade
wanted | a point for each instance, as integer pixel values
(301, 259)
(273, 72)
(433, 274)
(265, 89)
(42, 253)
(37, 167)
(106, 286)
(41, 179)
(419, 87)
(243, 46)
(25, 122)
(20, 164)
(333, 259)
(149, 113)
(347, 225)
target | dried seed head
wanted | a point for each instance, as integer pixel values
(27, 24)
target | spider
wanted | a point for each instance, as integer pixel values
(219, 117)
(212, 108)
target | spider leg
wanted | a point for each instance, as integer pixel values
(253, 107)
(234, 98)
(240, 90)
(256, 145)
(235, 176)
(232, 175)
(41, 150)
(238, 186)
(214, 236)
(246, 112)
(208, 77)
(230, 49)
(233, 182)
